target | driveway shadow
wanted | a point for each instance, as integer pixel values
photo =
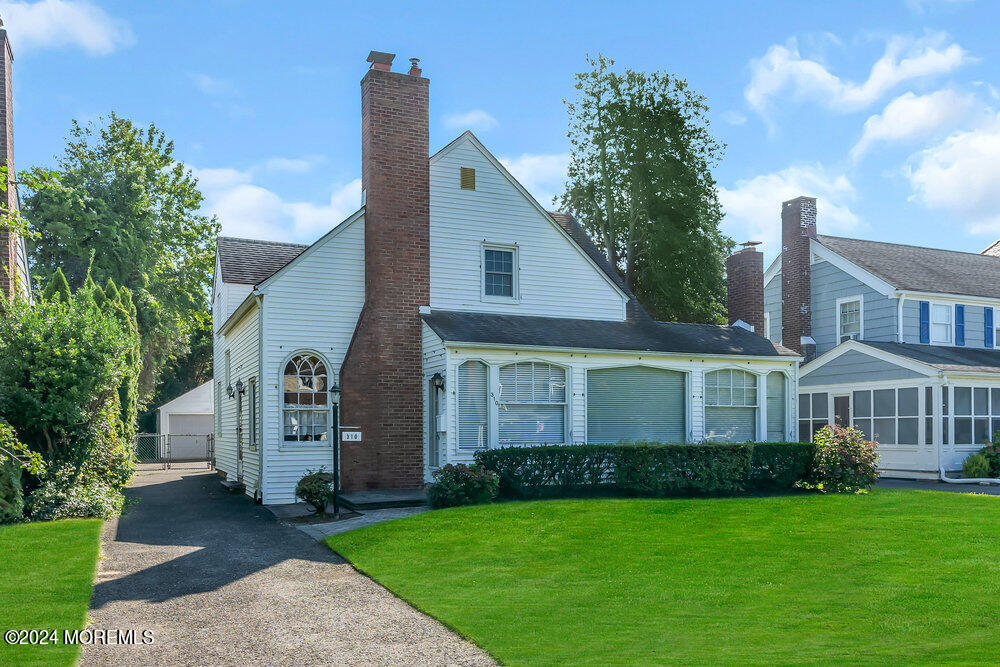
(187, 535)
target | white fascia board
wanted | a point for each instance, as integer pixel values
(471, 138)
(337, 229)
(457, 345)
(773, 270)
(858, 346)
(951, 298)
(850, 268)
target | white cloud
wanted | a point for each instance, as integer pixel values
(734, 117)
(299, 165)
(476, 120)
(921, 6)
(543, 175)
(250, 210)
(753, 206)
(910, 117)
(782, 70)
(64, 23)
(959, 176)
(211, 85)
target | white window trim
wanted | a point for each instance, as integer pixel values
(767, 325)
(302, 445)
(951, 323)
(493, 371)
(861, 315)
(996, 327)
(515, 288)
(759, 411)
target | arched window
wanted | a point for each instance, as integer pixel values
(730, 406)
(306, 405)
(532, 404)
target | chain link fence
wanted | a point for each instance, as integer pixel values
(175, 449)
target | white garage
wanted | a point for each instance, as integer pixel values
(186, 423)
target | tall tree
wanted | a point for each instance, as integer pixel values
(640, 182)
(123, 206)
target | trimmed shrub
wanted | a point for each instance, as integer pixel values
(648, 469)
(992, 454)
(460, 484)
(316, 489)
(976, 466)
(63, 494)
(845, 462)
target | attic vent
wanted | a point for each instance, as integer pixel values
(468, 178)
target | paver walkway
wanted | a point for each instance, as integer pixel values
(219, 581)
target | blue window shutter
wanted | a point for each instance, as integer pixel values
(959, 324)
(988, 326)
(925, 321)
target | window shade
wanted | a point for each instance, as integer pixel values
(635, 403)
(532, 408)
(730, 424)
(473, 432)
(776, 407)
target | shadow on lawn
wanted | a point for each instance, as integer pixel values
(187, 535)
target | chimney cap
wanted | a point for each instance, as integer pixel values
(749, 245)
(381, 58)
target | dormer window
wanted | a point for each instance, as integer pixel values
(499, 272)
(849, 311)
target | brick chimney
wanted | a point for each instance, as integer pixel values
(798, 226)
(745, 286)
(8, 239)
(381, 378)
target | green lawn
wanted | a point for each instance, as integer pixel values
(891, 576)
(46, 574)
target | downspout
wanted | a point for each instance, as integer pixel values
(959, 480)
(258, 494)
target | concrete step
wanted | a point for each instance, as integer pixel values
(378, 499)
(233, 486)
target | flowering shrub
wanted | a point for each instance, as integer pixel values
(845, 462)
(316, 489)
(976, 466)
(991, 453)
(462, 485)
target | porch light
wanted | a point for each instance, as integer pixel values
(437, 381)
(240, 388)
(229, 390)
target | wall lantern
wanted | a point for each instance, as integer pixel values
(229, 390)
(437, 381)
(240, 387)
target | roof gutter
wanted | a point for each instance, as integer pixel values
(590, 350)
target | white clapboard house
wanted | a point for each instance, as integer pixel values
(452, 313)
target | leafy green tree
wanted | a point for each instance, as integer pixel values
(640, 182)
(122, 209)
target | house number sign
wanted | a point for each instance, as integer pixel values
(350, 436)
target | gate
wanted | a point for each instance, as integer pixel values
(176, 449)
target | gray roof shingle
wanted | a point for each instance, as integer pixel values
(642, 335)
(578, 234)
(962, 359)
(909, 267)
(250, 262)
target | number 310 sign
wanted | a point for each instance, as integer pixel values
(350, 436)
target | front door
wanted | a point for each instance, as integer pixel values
(842, 410)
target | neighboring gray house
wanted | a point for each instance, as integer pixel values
(900, 341)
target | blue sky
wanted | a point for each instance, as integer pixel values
(886, 111)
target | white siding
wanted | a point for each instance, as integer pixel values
(311, 305)
(435, 360)
(555, 278)
(577, 365)
(242, 343)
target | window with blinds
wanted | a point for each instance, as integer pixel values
(730, 406)
(532, 404)
(635, 403)
(473, 413)
(776, 407)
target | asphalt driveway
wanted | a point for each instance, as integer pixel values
(219, 581)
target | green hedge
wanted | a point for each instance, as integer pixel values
(648, 469)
